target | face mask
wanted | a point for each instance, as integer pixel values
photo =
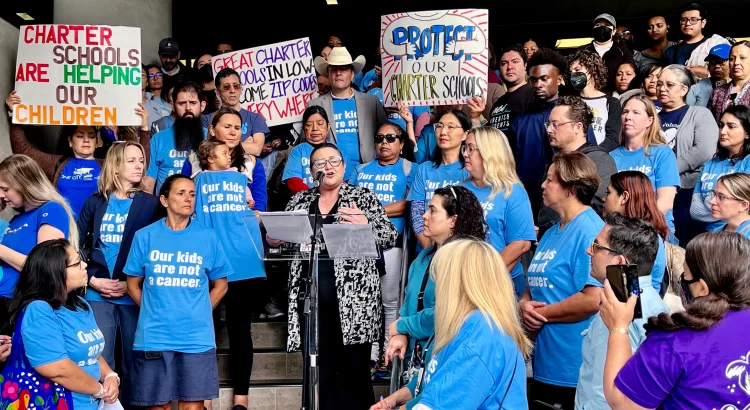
(578, 80)
(602, 34)
(206, 73)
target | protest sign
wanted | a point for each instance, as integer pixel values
(434, 57)
(278, 80)
(78, 75)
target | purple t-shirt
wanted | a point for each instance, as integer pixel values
(690, 369)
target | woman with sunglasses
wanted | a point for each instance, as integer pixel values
(348, 289)
(696, 359)
(388, 177)
(730, 203)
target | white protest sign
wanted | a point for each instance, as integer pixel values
(78, 75)
(434, 57)
(278, 80)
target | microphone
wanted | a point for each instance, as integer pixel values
(319, 175)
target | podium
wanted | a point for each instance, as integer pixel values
(303, 237)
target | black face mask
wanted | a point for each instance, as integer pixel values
(602, 34)
(578, 80)
(206, 73)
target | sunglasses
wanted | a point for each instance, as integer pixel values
(686, 294)
(595, 246)
(227, 87)
(391, 138)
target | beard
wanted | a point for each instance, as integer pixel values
(188, 133)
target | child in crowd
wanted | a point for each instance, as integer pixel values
(214, 155)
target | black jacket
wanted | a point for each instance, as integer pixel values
(143, 212)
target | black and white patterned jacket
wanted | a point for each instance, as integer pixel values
(357, 280)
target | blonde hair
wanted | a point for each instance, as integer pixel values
(109, 182)
(737, 184)
(24, 174)
(653, 135)
(469, 274)
(499, 164)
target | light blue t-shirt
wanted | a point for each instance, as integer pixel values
(660, 265)
(21, 236)
(345, 123)
(660, 166)
(389, 183)
(165, 160)
(50, 335)
(394, 116)
(78, 181)
(111, 232)
(298, 165)
(474, 370)
(509, 219)
(176, 267)
(220, 204)
(418, 325)
(590, 390)
(713, 169)
(560, 269)
(428, 178)
(157, 108)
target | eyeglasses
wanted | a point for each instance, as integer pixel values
(692, 20)
(78, 263)
(155, 75)
(556, 125)
(439, 126)
(469, 149)
(391, 138)
(623, 33)
(227, 87)
(686, 294)
(332, 161)
(595, 246)
(721, 197)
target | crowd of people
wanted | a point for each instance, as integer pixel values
(507, 211)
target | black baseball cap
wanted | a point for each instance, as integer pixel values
(168, 47)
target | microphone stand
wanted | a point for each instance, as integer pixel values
(310, 375)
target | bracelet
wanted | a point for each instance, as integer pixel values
(618, 330)
(113, 374)
(101, 392)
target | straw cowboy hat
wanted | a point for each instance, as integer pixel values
(339, 57)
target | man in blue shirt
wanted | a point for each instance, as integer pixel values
(622, 241)
(254, 127)
(171, 147)
(354, 116)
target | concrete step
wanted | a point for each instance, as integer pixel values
(267, 366)
(266, 336)
(275, 397)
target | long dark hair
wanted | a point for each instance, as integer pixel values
(43, 277)
(720, 260)
(464, 205)
(238, 153)
(642, 202)
(164, 190)
(407, 152)
(465, 122)
(309, 112)
(742, 113)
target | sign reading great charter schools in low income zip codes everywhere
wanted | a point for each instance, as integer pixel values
(78, 75)
(278, 80)
(434, 57)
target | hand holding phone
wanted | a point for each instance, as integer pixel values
(624, 282)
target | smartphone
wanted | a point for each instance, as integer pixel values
(624, 282)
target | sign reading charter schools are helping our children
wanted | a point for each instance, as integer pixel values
(434, 57)
(278, 80)
(78, 75)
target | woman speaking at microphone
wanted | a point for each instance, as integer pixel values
(350, 309)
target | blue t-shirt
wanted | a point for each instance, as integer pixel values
(21, 236)
(670, 121)
(176, 267)
(220, 204)
(660, 166)
(713, 169)
(389, 182)
(509, 219)
(78, 181)
(560, 269)
(474, 370)
(252, 123)
(394, 116)
(345, 123)
(110, 237)
(50, 335)
(298, 165)
(165, 160)
(426, 144)
(660, 265)
(428, 178)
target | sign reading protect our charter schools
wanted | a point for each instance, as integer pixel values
(278, 80)
(78, 75)
(434, 57)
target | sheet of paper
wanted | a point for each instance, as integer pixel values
(293, 226)
(350, 241)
